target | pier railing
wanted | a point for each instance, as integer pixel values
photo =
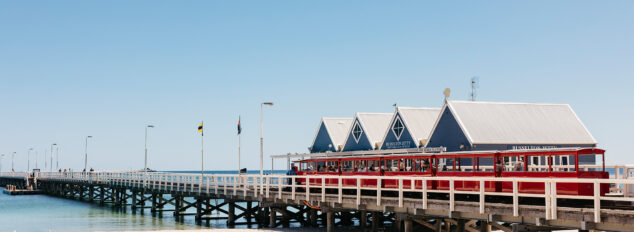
(340, 187)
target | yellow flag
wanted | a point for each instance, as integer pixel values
(200, 128)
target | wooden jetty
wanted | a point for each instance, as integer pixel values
(276, 200)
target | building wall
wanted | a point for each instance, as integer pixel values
(323, 142)
(391, 142)
(448, 133)
(363, 144)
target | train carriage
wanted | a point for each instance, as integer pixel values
(555, 163)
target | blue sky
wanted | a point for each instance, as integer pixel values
(74, 68)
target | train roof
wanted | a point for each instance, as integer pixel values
(419, 152)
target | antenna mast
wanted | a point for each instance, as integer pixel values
(474, 86)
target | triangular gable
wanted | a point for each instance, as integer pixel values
(357, 143)
(398, 136)
(338, 130)
(447, 132)
(372, 125)
(330, 135)
(417, 123)
(323, 141)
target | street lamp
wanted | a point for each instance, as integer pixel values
(28, 160)
(86, 152)
(1, 156)
(145, 166)
(51, 168)
(12, 158)
(57, 157)
(261, 138)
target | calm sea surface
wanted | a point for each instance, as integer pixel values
(46, 213)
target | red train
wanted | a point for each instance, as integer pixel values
(556, 163)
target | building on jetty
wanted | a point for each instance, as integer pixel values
(331, 134)
(469, 125)
(366, 131)
(409, 128)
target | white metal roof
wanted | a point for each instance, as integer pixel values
(420, 121)
(337, 129)
(373, 124)
(519, 123)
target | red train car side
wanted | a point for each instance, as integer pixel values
(557, 163)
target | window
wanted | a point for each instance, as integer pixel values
(357, 131)
(398, 128)
(321, 166)
(331, 166)
(361, 165)
(513, 163)
(422, 165)
(373, 165)
(485, 164)
(590, 162)
(347, 166)
(308, 166)
(391, 165)
(537, 164)
(464, 164)
(562, 163)
(445, 164)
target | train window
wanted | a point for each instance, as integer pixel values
(485, 164)
(321, 166)
(591, 162)
(445, 164)
(422, 165)
(332, 166)
(373, 165)
(561, 163)
(537, 164)
(308, 166)
(361, 165)
(391, 165)
(464, 164)
(513, 163)
(347, 166)
(409, 165)
(303, 166)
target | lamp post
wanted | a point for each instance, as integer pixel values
(28, 160)
(12, 158)
(261, 138)
(57, 157)
(1, 157)
(51, 168)
(86, 152)
(145, 166)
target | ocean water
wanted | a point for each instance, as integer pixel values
(47, 213)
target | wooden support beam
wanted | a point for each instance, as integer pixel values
(425, 224)
(363, 221)
(330, 221)
(500, 227)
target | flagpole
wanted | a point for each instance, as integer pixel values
(202, 153)
(239, 145)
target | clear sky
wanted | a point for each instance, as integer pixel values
(107, 68)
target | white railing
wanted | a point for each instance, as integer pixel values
(281, 186)
(14, 174)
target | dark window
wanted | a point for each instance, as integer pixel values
(356, 131)
(398, 128)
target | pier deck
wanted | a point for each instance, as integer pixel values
(405, 208)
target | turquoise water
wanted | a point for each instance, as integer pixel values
(46, 213)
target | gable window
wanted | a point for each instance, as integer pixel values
(398, 128)
(357, 131)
